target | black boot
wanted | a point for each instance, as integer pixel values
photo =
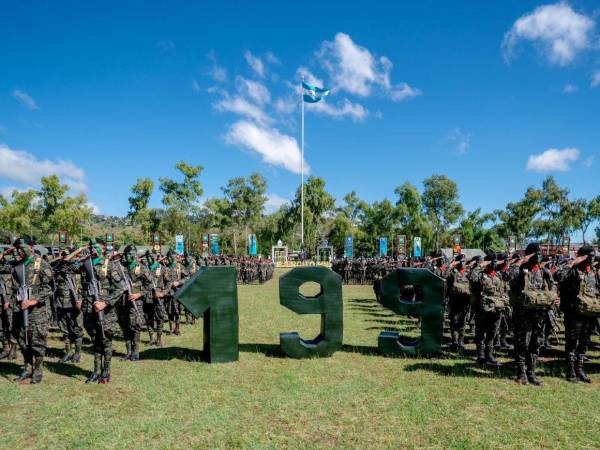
(453, 347)
(531, 366)
(480, 354)
(105, 378)
(571, 375)
(5, 351)
(128, 355)
(135, 351)
(26, 373)
(65, 355)
(581, 376)
(76, 357)
(461, 341)
(151, 341)
(94, 377)
(177, 332)
(490, 360)
(521, 375)
(38, 363)
(13, 352)
(159, 339)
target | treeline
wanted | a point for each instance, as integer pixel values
(433, 212)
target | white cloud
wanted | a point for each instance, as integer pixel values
(218, 73)
(569, 89)
(95, 208)
(195, 86)
(274, 202)
(344, 108)
(553, 159)
(558, 32)
(253, 90)
(23, 167)
(588, 162)
(272, 59)
(356, 70)
(285, 105)
(255, 63)
(274, 147)
(25, 99)
(241, 106)
(596, 79)
(460, 140)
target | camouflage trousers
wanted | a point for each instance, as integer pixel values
(6, 318)
(487, 325)
(155, 316)
(130, 319)
(34, 341)
(458, 311)
(173, 309)
(578, 331)
(529, 332)
(70, 323)
(103, 344)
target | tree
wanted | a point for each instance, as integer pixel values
(18, 215)
(585, 213)
(517, 219)
(556, 215)
(476, 234)
(182, 198)
(440, 202)
(140, 196)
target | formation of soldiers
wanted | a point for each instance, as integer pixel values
(86, 290)
(522, 297)
(366, 270)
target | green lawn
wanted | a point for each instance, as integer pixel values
(354, 399)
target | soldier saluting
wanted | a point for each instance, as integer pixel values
(580, 303)
(32, 278)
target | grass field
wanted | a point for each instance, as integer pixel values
(355, 399)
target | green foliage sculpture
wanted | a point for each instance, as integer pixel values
(328, 303)
(430, 309)
(212, 293)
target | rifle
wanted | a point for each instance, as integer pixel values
(93, 291)
(128, 287)
(23, 293)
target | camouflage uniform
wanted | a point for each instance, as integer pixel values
(154, 310)
(70, 318)
(458, 305)
(188, 268)
(9, 343)
(578, 327)
(528, 322)
(33, 341)
(170, 275)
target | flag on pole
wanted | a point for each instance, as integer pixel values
(313, 94)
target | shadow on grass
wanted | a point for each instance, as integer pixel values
(168, 353)
(271, 350)
(464, 369)
(9, 370)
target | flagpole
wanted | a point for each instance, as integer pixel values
(302, 173)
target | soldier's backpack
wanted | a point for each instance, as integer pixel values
(535, 298)
(498, 301)
(460, 286)
(588, 300)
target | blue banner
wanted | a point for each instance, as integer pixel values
(214, 244)
(417, 247)
(349, 247)
(252, 245)
(179, 249)
(382, 246)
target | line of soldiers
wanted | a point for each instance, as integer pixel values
(249, 269)
(522, 296)
(87, 290)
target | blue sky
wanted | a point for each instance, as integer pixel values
(497, 95)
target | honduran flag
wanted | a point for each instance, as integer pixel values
(313, 94)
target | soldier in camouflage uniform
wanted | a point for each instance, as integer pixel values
(31, 312)
(491, 300)
(532, 293)
(459, 292)
(170, 281)
(188, 268)
(576, 283)
(154, 309)
(68, 307)
(129, 309)
(9, 343)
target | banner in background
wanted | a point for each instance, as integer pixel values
(156, 243)
(252, 245)
(382, 246)
(349, 247)
(417, 247)
(456, 244)
(214, 244)
(62, 240)
(511, 245)
(179, 244)
(401, 245)
(204, 245)
(109, 242)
